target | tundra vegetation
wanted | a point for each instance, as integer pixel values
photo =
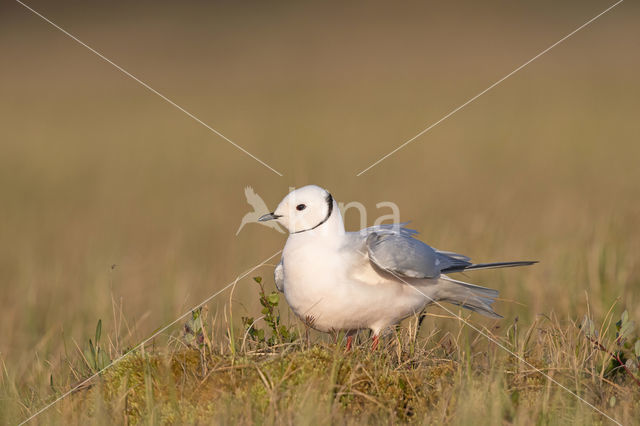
(269, 371)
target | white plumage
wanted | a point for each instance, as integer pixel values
(336, 280)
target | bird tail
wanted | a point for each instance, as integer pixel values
(466, 266)
(469, 296)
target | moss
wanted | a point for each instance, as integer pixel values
(194, 390)
(322, 384)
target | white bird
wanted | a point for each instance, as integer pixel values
(347, 281)
(259, 209)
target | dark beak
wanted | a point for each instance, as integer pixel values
(268, 216)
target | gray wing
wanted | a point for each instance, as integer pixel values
(393, 248)
(278, 276)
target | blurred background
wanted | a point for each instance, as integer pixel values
(111, 198)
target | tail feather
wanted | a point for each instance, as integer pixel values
(470, 296)
(460, 268)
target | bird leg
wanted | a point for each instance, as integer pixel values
(374, 345)
(421, 318)
(349, 342)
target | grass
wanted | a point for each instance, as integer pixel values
(277, 373)
(115, 206)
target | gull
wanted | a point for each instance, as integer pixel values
(259, 209)
(335, 280)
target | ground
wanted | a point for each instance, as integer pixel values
(551, 372)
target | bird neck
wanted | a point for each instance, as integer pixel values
(334, 225)
(332, 230)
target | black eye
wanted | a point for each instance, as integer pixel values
(300, 207)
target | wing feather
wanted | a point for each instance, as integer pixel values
(278, 276)
(394, 249)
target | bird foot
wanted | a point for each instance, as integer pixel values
(349, 343)
(374, 345)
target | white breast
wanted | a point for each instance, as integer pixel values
(332, 290)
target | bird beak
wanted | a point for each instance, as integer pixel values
(268, 216)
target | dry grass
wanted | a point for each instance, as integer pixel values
(435, 378)
(95, 172)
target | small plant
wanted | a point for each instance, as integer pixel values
(271, 315)
(95, 356)
(194, 332)
(626, 354)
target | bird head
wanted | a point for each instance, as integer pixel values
(303, 209)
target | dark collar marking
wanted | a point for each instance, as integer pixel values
(330, 204)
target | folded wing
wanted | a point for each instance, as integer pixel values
(393, 248)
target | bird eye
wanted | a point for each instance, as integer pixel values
(300, 207)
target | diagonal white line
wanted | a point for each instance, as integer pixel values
(151, 89)
(500, 345)
(490, 87)
(145, 341)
